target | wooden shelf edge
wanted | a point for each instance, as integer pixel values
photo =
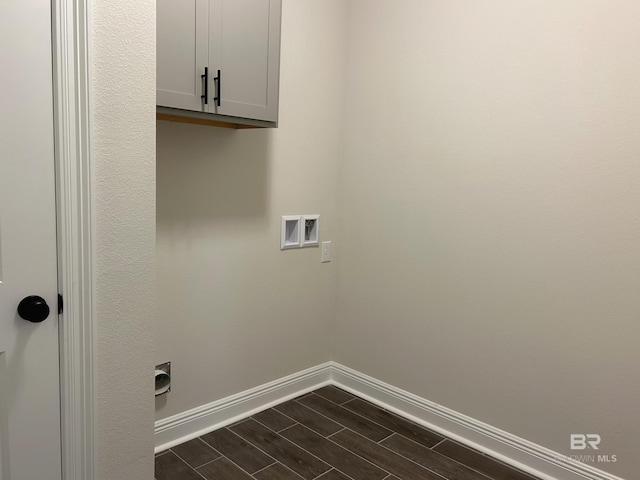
(202, 121)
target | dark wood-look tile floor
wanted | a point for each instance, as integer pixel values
(327, 435)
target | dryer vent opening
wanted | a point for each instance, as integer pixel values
(163, 378)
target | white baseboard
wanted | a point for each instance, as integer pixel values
(518, 452)
(185, 426)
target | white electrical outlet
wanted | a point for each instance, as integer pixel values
(326, 252)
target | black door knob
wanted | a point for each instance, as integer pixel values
(33, 308)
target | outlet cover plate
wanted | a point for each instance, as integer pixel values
(326, 252)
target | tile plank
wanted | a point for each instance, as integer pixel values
(434, 461)
(195, 452)
(238, 450)
(345, 417)
(341, 459)
(384, 458)
(274, 420)
(334, 394)
(309, 418)
(328, 434)
(393, 422)
(333, 475)
(480, 462)
(293, 457)
(170, 467)
(223, 468)
(277, 471)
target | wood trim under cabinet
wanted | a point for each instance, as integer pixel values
(201, 121)
(201, 118)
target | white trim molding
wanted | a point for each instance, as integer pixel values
(510, 449)
(72, 115)
(185, 426)
(518, 452)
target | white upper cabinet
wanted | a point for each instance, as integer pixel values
(219, 60)
(182, 52)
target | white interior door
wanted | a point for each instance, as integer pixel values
(29, 365)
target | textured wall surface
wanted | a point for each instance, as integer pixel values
(488, 205)
(123, 70)
(235, 311)
(494, 173)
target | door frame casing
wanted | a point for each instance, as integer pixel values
(72, 132)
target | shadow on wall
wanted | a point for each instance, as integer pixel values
(210, 174)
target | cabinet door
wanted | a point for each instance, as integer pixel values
(182, 52)
(244, 44)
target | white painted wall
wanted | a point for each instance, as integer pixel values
(123, 154)
(490, 250)
(235, 311)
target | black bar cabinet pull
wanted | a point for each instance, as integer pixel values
(205, 77)
(218, 80)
